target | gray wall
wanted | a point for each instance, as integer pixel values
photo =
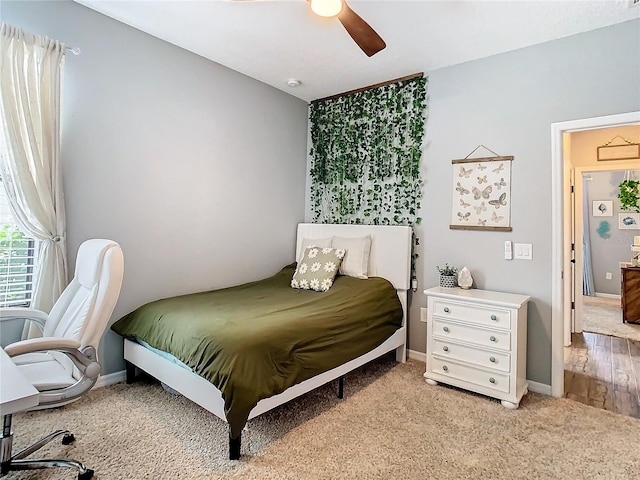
(508, 103)
(606, 253)
(196, 170)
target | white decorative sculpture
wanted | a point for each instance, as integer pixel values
(465, 280)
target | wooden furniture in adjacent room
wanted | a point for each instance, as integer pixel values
(630, 294)
(477, 340)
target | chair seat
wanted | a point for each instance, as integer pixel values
(49, 375)
(32, 358)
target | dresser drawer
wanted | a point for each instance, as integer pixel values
(468, 333)
(476, 356)
(494, 380)
(488, 316)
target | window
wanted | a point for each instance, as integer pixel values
(17, 259)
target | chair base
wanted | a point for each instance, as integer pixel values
(84, 473)
(18, 462)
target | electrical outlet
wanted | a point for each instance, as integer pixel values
(608, 275)
(423, 314)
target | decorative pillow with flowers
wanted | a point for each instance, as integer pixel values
(317, 268)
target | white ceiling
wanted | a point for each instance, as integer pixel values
(273, 41)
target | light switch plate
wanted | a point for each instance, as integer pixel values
(508, 254)
(523, 251)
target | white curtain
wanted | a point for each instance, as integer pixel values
(588, 288)
(30, 71)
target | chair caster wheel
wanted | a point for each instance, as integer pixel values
(69, 439)
(86, 475)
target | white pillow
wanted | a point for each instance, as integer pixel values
(317, 242)
(356, 260)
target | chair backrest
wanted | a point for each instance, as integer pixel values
(84, 308)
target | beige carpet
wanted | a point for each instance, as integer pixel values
(604, 315)
(391, 424)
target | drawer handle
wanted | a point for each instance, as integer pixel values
(493, 339)
(445, 368)
(492, 359)
(446, 329)
(446, 309)
(445, 348)
(494, 318)
(492, 380)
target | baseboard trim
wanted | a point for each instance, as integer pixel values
(536, 387)
(117, 377)
(110, 379)
(415, 355)
(608, 295)
(542, 388)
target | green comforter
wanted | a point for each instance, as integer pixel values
(255, 340)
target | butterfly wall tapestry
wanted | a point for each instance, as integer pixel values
(482, 194)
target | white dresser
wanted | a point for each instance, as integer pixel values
(477, 340)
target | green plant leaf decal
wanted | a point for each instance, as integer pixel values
(603, 230)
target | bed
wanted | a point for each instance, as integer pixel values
(244, 350)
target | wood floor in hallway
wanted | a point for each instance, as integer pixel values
(604, 372)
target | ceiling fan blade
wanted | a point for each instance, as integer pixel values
(365, 36)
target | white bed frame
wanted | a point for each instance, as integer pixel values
(390, 258)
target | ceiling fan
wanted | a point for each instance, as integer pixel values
(359, 30)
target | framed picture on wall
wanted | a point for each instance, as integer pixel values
(482, 194)
(603, 208)
(628, 151)
(629, 221)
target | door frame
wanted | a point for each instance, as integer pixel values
(559, 321)
(579, 198)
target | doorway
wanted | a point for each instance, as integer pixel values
(601, 248)
(561, 284)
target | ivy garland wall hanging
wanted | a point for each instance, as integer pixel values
(365, 155)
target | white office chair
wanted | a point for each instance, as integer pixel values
(63, 364)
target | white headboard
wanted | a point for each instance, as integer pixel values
(390, 255)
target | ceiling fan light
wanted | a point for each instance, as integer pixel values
(326, 8)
